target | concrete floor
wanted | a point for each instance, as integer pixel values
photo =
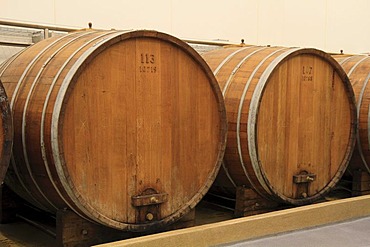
(355, 233)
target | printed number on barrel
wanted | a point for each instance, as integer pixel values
(307, 73)
(147, 63)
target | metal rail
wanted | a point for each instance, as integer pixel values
(17, 44)
(38, 225)
(48, 28)
(208, 42)
(37, 26)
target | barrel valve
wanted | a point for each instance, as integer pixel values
(149, 216)
(147, 205)
(302, 182)
(304, 178)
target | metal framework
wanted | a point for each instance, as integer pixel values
(46, 28)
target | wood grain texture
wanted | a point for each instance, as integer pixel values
(357, 68)
(6, 133)
(290, 112)
(105, 116)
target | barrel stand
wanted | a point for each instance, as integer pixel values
(10, 204)
(360, 183)
(68, 228)
(248, 203)
(73, 230)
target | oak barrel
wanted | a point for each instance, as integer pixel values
(291, 119)
(128, 129)
(6, 135)
(357, 68)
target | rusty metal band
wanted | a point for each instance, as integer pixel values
(228, 174)
(55, 130)
(215, 72)
(355, 66)
(10, 60)
(24, 119)
(345, 60)
(42, 125)
(232, 74)
(237, 67)
(253, 112)
(359, 102)
(14, 96)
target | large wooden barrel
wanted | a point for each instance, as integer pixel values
(6, 135)
(128, 129)
(357, 68)
(291, 116)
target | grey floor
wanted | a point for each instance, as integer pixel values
(354, 233)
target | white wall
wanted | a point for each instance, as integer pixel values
(330, 25)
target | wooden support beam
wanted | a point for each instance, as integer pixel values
(10, 204)
(72, 230)
(360, 183)
(256, 226)
(248, 203)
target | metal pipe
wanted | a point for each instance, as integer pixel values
(71, 29)
(46, 33)
(37, 26)
(220, 206)
(18, 44)
(208, 42)
(222, 197)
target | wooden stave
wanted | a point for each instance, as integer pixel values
(186, 208)
(357, 68)
(6, 126)
(35, 195)
(223, 183)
